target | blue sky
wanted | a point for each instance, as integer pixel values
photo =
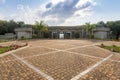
(60, 12)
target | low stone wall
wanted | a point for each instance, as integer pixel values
(7, 36)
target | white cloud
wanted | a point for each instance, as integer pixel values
(82, 2)
(56, 1)
(55, 12)
(65, 10)
(1, 16)
(84, 12)
(25, 14)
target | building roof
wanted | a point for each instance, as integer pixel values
(101, 29)
(23, 29)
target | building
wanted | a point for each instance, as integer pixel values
(24, 32)
(65, 32)
(101, 33)
(8, 36)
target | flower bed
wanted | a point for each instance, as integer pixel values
(4, 49)
(112, 48)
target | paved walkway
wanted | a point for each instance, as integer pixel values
(57, 60)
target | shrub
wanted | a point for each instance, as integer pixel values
(102, 45)
(114, 45)
(92, 36)
(22, 38)
(34, 36)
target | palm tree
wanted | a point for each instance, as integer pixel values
(89, 28)
(41, 27)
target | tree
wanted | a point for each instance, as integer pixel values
(3, 28)
(89, 28)
(41, 28)
(115, 28)
(11, 25)
(8, 26)
(101, 24)
(20, 24)
(110, 24)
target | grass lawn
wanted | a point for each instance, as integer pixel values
(3, 49)
(111, 48)
(3, 40)
(9, 48)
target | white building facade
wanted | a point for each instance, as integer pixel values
(65, 32)
(101, 33)
(24, 33)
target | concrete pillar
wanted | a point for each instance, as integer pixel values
(79, 34)
(82, 33)
(71, 35)
(55, 34)
(52, 35)
(58, 35)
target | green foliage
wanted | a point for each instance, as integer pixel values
(92, 36)
(21, 24)
(9, 26)
(113, 25)
(115, 28)
(3, 27)
(23, 38)
(34, 36)
(3, 49)
(113, 48)
(101, 24)
(3, 40)
(40, 27)
(89, 28)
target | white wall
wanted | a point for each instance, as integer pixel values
(101, 35)
(24, 34)
(12, 36)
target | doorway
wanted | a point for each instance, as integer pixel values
(61, 36)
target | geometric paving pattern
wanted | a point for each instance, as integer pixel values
(61, 60)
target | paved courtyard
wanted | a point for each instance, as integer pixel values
(61, 60)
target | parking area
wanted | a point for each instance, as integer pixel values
(61, 60)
